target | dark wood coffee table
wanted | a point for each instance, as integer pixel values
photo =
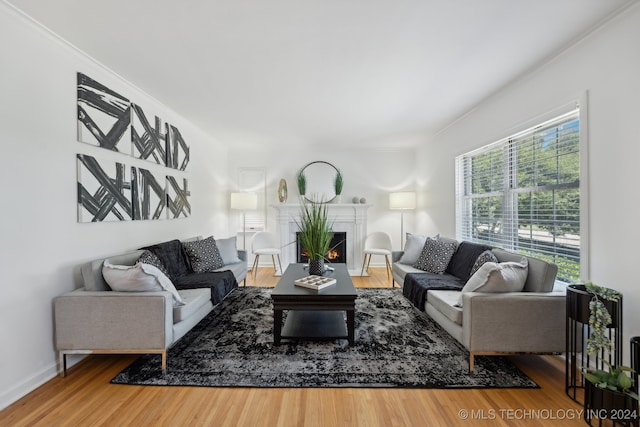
(314, 314)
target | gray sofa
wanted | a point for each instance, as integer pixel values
(530, 321)
(95, 319)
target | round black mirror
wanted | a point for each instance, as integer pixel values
(320, 181)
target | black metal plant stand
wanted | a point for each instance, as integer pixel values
(577, 332)
(635, 365)
(635, 361)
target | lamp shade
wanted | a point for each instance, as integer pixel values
(402, 200)
(244, 201)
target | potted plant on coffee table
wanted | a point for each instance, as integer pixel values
(315, 234)
(608, 393)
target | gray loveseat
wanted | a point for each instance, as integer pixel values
(530, 321)
(95, 319)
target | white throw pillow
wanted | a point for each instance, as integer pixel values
(412, 248)
(228, 250)
(138, 278)
(497, 277)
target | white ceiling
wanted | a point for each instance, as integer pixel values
(292, 72)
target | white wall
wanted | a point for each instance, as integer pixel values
(607, 66)
(367, 173)
(41, 244)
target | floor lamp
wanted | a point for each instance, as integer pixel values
(403, 200)
(244, 202)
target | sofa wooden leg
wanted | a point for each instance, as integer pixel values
(471, 362)
(164, 362)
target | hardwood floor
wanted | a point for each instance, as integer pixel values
(86, 398)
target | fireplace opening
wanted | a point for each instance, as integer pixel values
(337, 252)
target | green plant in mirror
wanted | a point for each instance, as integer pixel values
(315, 230)
(302, 183)
(338, 183)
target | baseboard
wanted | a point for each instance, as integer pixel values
(27, 386)
(31, 383)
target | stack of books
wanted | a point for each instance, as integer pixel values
(315, 282)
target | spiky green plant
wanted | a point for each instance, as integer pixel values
(315, 230)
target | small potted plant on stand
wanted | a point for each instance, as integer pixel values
(608, 393)
(315, 235)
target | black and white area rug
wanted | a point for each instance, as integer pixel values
(396, 346)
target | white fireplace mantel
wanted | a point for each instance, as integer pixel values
(348, 217)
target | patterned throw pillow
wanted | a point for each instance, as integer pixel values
(150, 258)
(486, 256)
(435, 255)
(203, 255)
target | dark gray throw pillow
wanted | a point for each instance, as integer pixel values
(435, 255)
(484, 257)
(150, 258)
(203, 255)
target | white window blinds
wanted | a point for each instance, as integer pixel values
(523, 194)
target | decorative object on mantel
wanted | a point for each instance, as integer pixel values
(356, 200)
(402, 200)
(363, 200)
(315, 235)
(244, 202)
(282, 191)
(338, 183)
(319, 181)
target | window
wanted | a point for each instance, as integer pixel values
(523, 194)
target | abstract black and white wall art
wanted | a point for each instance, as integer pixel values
(112, 191)
(148, 194)
(104, 116)
(177, 149)
(104, 190)
(178, 203)
(148, 136)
